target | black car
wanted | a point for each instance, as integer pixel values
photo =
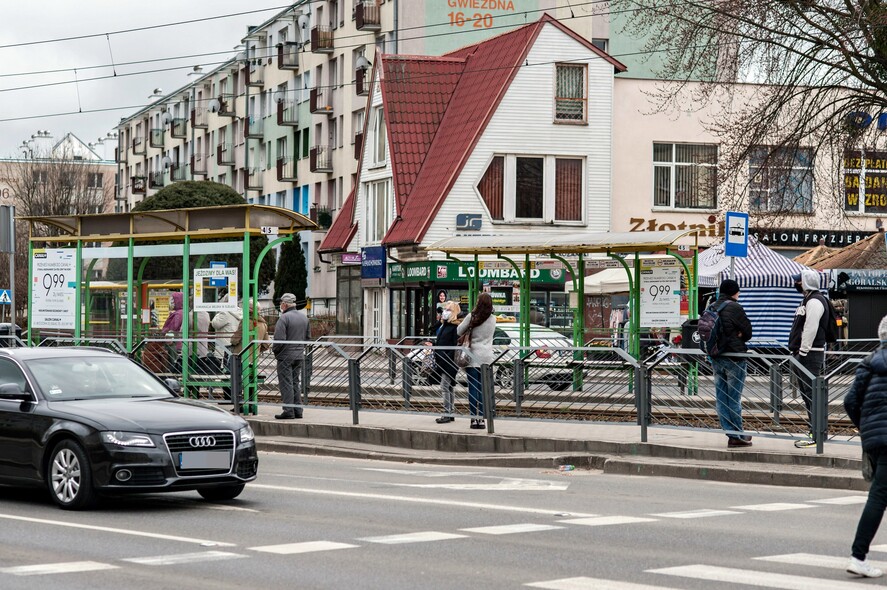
(86, 422)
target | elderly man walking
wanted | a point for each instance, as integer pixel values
(291, 327)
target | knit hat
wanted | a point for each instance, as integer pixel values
(882, 329)
(729, 287)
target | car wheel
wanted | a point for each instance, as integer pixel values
(559, 385)
(69, 478)
(220, 493)
(505, 377)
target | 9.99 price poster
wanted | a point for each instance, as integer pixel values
(53, 289)
(660, 296)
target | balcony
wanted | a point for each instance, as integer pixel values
(157, 138)
(255, 129)
(320, 158)
(319, 102)
(358, 145)
(199, 118)
(138, 146)
(139, 185)
(322, 39)
(226, 105)
(120, 155)
(177, 173)
(368, 15)
(179, 128)
(255, 73)
(288, 56)
(155, 180)
(225, 154)
(286, 170)
(361, 83)
(254, 179)
(198, 164)
(288, 114)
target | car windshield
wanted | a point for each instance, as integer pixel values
(81, 377)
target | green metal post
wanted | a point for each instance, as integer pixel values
(142, 266)
(88, 305)
(78, 276)
(249, 381)
(635, 322)
(30, 288)
(186, 292)
(129, 293)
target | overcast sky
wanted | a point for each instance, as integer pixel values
(36, 20)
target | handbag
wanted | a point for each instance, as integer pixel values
(462, 358)
(868, 466)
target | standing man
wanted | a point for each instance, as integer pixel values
(292, 326)
(806, 341)
(730, 372)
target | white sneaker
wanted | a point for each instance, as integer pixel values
(862, 568)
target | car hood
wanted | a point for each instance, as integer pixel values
(149, 415)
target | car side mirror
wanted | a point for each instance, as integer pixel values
(12, 391)
(173, 384)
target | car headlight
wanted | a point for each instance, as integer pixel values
(127, 439)
(246, 434)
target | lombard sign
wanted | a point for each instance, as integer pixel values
(453, 272)
(372, 262)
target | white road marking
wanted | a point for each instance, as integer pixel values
(57, 568)
(774, 507)
(756, 578)
(843, 500)
(421, 473)
(506, 485)
(509, 529)
(591, 584)
(184, 558)
(809, 559)
(228, 508)
(116, 531)
(702, 513)
(607, 520)
(307, 547)
(878, 548)
(423, 537)
(414, 500)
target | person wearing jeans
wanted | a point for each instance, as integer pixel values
(729, 381)
(480, 325)
(443, 358)
(806, 341)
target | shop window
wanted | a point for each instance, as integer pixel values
(781, 180)
(570, 100)
(685, 176)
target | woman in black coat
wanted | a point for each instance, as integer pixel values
(443, 358)
(866, 405)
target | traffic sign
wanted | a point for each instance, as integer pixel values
(736, 243)
(5, 297)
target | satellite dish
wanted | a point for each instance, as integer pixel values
(279, 96)
(165, 118)
(361, 63)
(166, 162)
(214, 106)
(304, 19)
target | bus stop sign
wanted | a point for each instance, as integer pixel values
(736, 243)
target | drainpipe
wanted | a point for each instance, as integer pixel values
(396, 31)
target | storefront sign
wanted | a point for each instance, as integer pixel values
(203, 279)
(865, 181)
(807, 238)
(53, 293)
(660, 296)
(350, 258)
(473, 20)
(372, 262)
(711, 230)
(855, 280)
(453, 272)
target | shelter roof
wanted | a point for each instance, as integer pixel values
(578, 243)
(869, 253)
(170, 224)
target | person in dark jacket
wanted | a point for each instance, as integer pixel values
(729, 372)
(806, 341)
(866, 405)
(443, 358)
(290, 332)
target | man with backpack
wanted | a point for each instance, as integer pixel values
(728, 333)
(807, 339)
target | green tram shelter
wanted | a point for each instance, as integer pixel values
(177, 228)
(570, 250)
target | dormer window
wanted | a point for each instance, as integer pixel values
(571, 93)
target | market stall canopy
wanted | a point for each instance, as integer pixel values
(869, 254)
(573, 243)
(171, 224)
(761, 268)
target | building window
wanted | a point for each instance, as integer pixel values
(685, 176)
(536, 189)
(865, 181)
(94, 180)
(781, 180)
(379, 136)
(570, 100)
(378, 210)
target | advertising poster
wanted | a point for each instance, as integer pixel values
(660, 296)
(203, 289)
(54, 289)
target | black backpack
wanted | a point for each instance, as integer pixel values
(709, 329)
(832, 319)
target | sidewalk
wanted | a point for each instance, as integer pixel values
(611, 448)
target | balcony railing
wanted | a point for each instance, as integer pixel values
(320, 159)
(179, 127)
(288, 113)
(361, 83)
(155, 179)
(255, 73)
(322, 39)
(254, 179)
(286, 170)
(358, 145)
(319, 102)
(139, 185)
(255, 128)
(157, 138)
(138, 146)
(198, 164)
(226, 105)
(288, 56)
(177, 172)
(368, 15)
(199, 118)
(225, 154)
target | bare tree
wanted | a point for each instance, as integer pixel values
(790, 80)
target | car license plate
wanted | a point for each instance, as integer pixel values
(205, 460)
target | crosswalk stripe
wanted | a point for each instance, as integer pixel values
(756, 578)
(422, 537)
(878, 548)
(57, 568)
(607, 520)
(591, 584)
(508, 529)
(809, 559)
(842, 501)
(774, 507)
(184, 558)
(307, 547)
(703, 513)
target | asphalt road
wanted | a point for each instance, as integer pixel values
(339, 523)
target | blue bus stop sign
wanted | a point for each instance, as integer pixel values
(218, 281)
(736, 229)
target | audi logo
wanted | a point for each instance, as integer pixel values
(202, 441)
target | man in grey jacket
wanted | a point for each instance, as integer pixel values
(291, 327)
(806, 341)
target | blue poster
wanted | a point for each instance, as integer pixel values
(372, 262)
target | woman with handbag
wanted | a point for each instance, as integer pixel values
(443, 358)
(477, 328)
(866, 405)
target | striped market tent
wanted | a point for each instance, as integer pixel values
(766, 289)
